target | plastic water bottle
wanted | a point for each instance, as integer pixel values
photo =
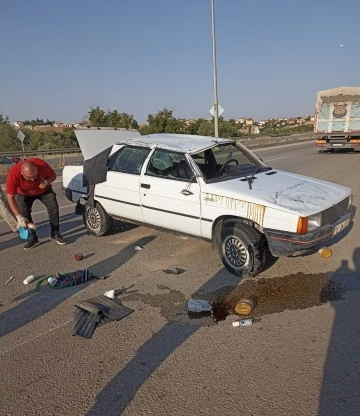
(198, 305)
(29, 279)
(243, 322)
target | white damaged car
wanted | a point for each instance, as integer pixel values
(206, 187)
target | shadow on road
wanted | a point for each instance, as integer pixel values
(116, 396)
(43, 231)
(340, 391)
(39, 303)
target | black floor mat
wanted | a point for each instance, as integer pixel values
(97, 312)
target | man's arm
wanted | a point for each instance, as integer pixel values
(22, 221)
(51, 179)
(13, 205)
(49, 174)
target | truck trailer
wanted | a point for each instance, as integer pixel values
(337, 119)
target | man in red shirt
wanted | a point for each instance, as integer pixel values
(26, 182)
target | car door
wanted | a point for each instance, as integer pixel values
(120, 194)
(168, 197)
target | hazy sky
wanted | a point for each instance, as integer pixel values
(59, 58)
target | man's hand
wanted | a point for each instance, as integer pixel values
(43, 184)
(22, 221)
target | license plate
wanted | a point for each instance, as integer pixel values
(337, 144)
(341, 227)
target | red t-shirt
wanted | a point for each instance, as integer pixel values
(17, 184)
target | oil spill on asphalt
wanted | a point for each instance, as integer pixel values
(272, 295)
(292, 292)
(165, 301)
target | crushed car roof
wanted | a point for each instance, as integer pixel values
(176, 142)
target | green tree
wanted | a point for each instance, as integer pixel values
(100, 118)
(50, 139)
(4, 120)
(194, 127)
(164, 122)
(8, 139)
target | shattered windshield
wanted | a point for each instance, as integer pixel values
(227, 161)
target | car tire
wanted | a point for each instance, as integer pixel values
(242, 249)
(96, 220)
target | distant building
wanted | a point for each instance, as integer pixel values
(249, 121)
(18, 124)
(240, 120)
(81, 124)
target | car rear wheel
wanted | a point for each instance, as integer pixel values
(96, 220)
(242, 249)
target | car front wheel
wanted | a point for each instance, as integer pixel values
(242, 249)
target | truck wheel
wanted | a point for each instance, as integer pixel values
(242, 249)
(96, 220)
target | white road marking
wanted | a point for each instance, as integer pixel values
(45, 211)
(269, 148)
(33, 338)
(277, 158)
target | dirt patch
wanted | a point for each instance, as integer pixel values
(295, 291)
(167, 302)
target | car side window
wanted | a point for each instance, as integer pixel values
(169, 165)
(129, 159)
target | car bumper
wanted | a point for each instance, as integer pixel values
(338, 146)
(282, 243)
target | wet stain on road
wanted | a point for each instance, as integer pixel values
(165, 301)
(295, 291)
(291, 292)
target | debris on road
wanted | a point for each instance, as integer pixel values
(243, 322)
(61, 280)
(29, 279)
(325, 252)
(244, 306)
(220, 310)
(176, 270)
(198, 305)
(78, 257)
(274, 295)
(110, 294)
(9, 280)
(95, 312)
(138, 248)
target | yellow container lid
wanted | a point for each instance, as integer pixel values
(244, 307)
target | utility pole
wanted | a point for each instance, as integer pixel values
(216, 108)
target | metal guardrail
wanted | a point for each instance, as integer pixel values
(41, 152)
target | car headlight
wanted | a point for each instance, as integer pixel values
(350, 201)
(306, 224)
(314, 221)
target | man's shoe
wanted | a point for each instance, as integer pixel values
(59, 239)
(34, 241)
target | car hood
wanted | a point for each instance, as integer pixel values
(281, 190)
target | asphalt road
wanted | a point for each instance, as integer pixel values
(301, 356)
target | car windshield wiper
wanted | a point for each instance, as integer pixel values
(259, 170)
(250, 178)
